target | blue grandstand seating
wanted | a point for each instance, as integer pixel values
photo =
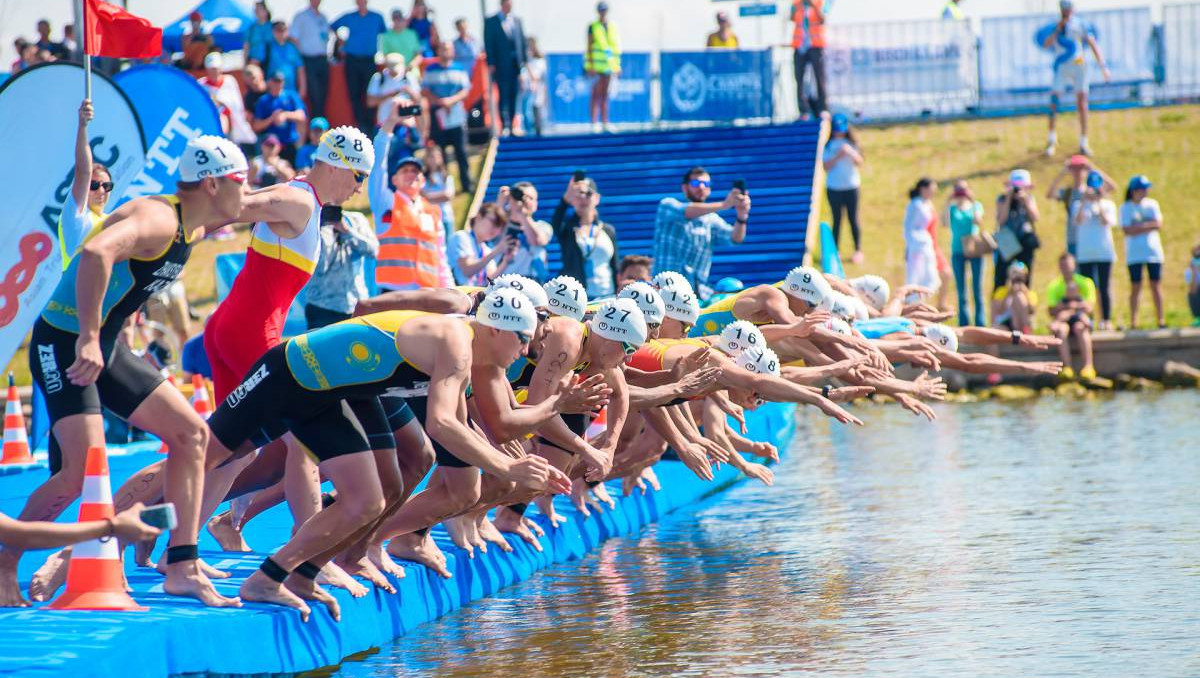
(635, 171)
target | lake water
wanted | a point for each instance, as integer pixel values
(1043, 538)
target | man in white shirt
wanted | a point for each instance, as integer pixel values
(227, 95)
(310, 30)
(1069, 40)
(395, 79)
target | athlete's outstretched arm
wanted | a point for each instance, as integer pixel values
(284, 208)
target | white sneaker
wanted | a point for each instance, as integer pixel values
(1050, 150)
(609, 129)
(596, 128)
(1085, 149)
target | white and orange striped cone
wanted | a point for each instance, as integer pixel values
(200, 401)
(163, 449)
(16, 440)
(94, 580)
(598, 426)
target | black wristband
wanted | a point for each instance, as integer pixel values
(179, 554)
(742, 222)
(307, 570)
(1016, 337)
(273, 571)
(825, 391)
(328, 499)
(518, 509)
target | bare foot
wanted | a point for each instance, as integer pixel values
(651, 477)
(365, 569)
(186, 579)
(488, 532)
(630, 483)
(10, 590)
(50, 576)
(419, 549)
(471, 527)
(230, 539)
(260, 589)
(307, 589)
(602, 495)
(579, 495)
(545, 504)
(143, 553)
(383, 561)
(333, 575)
(460, 536)
(510, 522)
(533, 526)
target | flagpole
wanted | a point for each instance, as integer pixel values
(81, 28)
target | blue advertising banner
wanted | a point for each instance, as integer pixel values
(225, 20)
(173, 108)
(716, 85)
(571, 89)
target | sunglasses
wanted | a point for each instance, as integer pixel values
(630, 349)
(525, 337)
(359, 177)
(106, 185)
(653, 326)
(543, 316)
(237, 177)
(698, 183)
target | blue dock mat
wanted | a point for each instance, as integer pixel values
(178, 636)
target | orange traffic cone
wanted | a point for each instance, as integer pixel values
(163, 449)
(200, 401)
(16, 441)
(94, 580)
(599, 425)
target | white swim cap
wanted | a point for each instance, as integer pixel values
(840, 326)
(210, 156)
(524, 285)
(647, 299)
(943, 335)
(681, 304)
(873, 288)
(841, 306)
(620, 320)
(566, 297)
(739, 336)
(346, 147)
(760, 361)
(860, 309)
(509, 310)
(672, 280)
(807, 284)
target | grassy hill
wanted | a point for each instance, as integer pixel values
(1157, 142)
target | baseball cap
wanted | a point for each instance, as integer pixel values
(1078, 160)
(530, 288)
(210, 156)
(1017, 267)
(807, 284)
(1095, 179)
(393, 59)
(1139, 182)
(1065, 4)
(622, 321)
(1020, 178)
(602, 7)
(214, 60)
(270, 140)
(739, 336)
(346, 147)
(195, 16)
(760, 360)
(943, 335)
(410, 160)
(647, 299)
(509, 310)
(567, 297)
(840, 122)
(278, 75)
(318, 123)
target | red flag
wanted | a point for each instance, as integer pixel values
(112, 32)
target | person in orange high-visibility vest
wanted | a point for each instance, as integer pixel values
(412, 239)
(808, 45)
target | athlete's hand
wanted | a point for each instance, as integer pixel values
(599, 461)
(731, 408)
(558, 482)
(759, 472)
(696, 360)
(585, 397)
(128, 526)
(930, 388)
(832, 409)
(698, 382)
(513, 448)
(695, 457)
(804, 327)
(920, 357)
(1048, 367)
(847, 394)
(915, 406)
(530, 471)
(1039, 342)
(764, 450)
(86, 112)
(89, 361)
(716, 452)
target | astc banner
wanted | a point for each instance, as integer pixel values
(1011, 61)
(716, 85)
(38, 118)
(570, 89)
(173, 108)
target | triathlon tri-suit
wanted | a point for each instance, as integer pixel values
(520, 374)
(716, 317)
(125, 380)
(250, 320)
(324, 387)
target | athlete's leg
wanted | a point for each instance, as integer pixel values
(301, 483)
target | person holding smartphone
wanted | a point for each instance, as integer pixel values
(590, 253)
(685, 232)
(530, 235)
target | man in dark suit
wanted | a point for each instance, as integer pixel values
(504, 42)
